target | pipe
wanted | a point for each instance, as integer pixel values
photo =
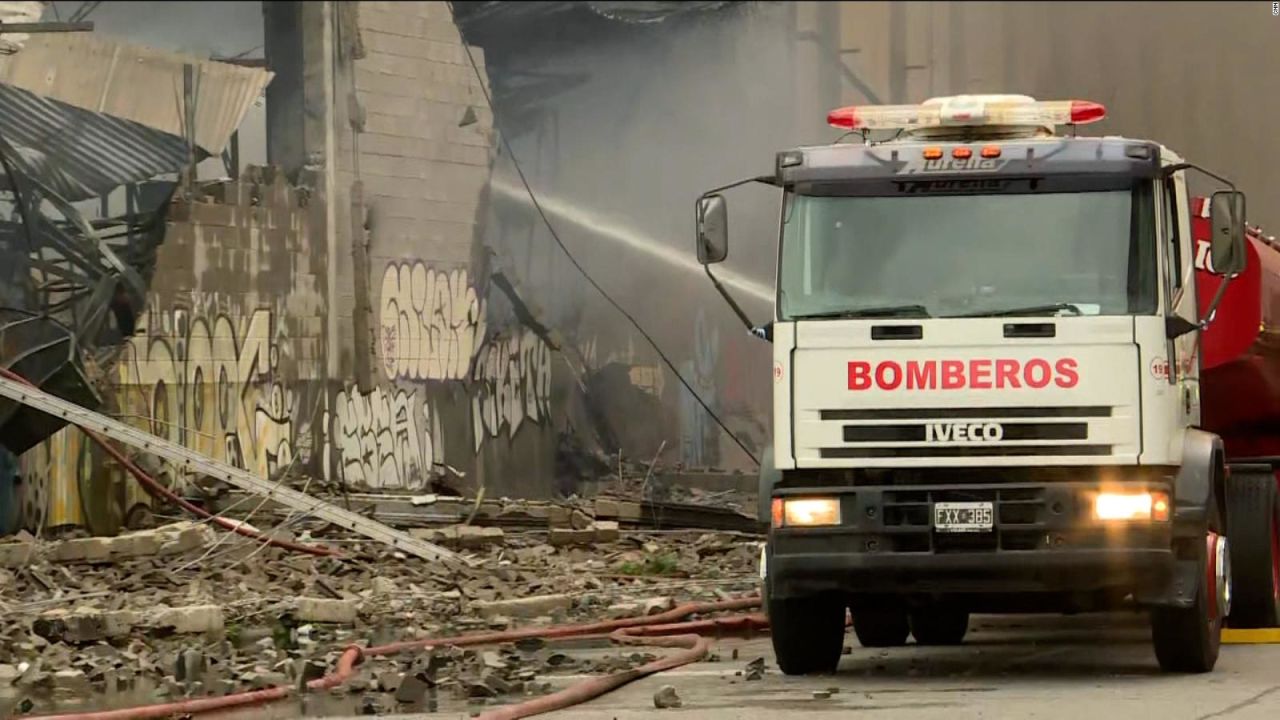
(624, 631)
(154, 488)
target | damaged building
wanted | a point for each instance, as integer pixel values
(355, 283)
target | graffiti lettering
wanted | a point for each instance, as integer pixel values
(513, 378)
(431, 323)
(379, 440)
(211, 383)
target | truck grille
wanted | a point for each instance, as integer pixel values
(966, 432)
(1020, 514)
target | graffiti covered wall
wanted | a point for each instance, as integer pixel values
(226, 358)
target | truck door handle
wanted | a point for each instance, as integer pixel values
(1030, 330)
(896, 332)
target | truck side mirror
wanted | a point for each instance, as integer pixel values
(713, 229)
(1227, 244)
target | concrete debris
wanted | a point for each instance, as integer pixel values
(190, 620)
(122, 611)
(83, 625)
(560, 537)
(821, 694)
(654, 606)
(667, 698)
(461, 536)
(17, 554)
(326, 610)
(754, 669)
(620, 510)
(528, 607)
(167, 540)
(606, 531)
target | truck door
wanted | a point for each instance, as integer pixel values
(1180, 296)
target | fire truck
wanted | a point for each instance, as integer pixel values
(1016, 370)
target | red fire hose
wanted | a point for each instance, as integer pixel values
(624, 631)
(155, 489)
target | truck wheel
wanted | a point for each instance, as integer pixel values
(1253, 526)
(939, 625)
(807, 633)
(1187, 640)
(878, 627)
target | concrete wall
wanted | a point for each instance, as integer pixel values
(414, 150)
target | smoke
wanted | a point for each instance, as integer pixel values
(627, 239)
(619, 127)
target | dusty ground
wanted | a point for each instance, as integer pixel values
(1071, 668)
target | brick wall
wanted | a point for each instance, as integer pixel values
(227, 357)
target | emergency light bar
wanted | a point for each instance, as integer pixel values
(968, 111)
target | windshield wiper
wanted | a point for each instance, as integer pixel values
(1032, 310)
(886, 311)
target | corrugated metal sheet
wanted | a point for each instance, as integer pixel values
(136, 83)
(81, 154)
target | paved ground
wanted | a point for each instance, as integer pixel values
(1082, 668)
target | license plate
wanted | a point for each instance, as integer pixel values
(963, 517)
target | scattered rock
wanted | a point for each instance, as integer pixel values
(754, 669)
(667, 698)
(821, 694)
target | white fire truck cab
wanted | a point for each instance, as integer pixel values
(974, 407)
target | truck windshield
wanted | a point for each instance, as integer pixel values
(1060, 253)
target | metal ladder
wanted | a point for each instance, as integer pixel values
(192, 461)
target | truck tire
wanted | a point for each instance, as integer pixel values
(1187, 640)
(939, 625)
(807, 633)
(1253, 527)
(881, 627)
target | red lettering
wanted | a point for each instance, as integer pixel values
(882, 372)
(977, 374)
(952, 374)
(1007, 374)
(922, 375)
(859, 375)
(1067, 375)
(1036, 373)
(980, 374)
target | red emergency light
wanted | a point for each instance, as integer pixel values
(967, 111)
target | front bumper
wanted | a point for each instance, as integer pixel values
(1044, 540)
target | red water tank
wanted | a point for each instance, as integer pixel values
(1240, 350)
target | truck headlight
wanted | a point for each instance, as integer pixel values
(1140, 506)
(805, 512)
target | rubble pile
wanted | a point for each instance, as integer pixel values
(185, 610)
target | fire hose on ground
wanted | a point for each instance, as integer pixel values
(668, 629)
